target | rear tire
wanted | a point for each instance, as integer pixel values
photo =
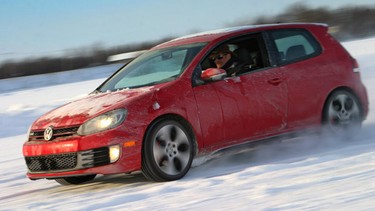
(342, 115)
(168, 151)
(75, 180)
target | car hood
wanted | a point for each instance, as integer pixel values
(79, 111)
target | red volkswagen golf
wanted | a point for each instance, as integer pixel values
(182, 99)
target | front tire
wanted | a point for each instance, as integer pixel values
(342, 115)
(168, 151)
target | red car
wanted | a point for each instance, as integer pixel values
(172, 103)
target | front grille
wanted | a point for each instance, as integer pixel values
(68, 161)
(52, 162)
(57, 132)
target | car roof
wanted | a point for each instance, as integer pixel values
(209, 36)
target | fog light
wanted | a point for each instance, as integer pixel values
(114, 153)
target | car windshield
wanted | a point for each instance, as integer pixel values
(153, 67)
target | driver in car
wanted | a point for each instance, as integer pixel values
(224, 58)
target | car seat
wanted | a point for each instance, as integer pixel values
(294, 52)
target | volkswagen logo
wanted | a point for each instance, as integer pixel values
(48, 133)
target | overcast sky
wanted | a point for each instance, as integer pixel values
(49, 27)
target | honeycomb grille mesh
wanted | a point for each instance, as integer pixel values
(52, 162)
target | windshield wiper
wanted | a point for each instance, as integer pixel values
(95, 92)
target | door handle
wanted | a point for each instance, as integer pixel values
(275, 81)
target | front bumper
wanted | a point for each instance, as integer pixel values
(68, 161)
(75, 158)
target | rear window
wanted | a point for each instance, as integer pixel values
(294, 45)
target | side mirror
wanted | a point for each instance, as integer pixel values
(213, 74)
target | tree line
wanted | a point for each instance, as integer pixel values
(352, 22)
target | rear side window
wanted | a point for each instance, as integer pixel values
(294, 45)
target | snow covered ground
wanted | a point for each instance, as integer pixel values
(304, 173)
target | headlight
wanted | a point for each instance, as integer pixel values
(103, 122)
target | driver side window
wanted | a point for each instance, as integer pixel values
(238, 56)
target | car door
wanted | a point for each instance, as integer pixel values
(266, 93)
(246, 106)
(239, 108)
